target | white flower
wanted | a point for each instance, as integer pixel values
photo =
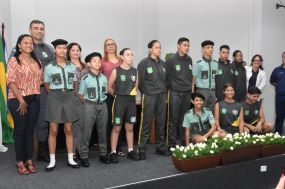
(192, 147)
(181, 148)
(283, 136)
(254, 142)
(225, 138)
(231, 148)
(215, 135)
(262, 140)
(246, 140)
(236, 135)
(185, 150)
(174, 155)
(196, 152)
(211, 151)
(231, 140)
(172, 149)
(229, 135)
(184, 156)
(177, 147)
(271, 139)
(216, 140)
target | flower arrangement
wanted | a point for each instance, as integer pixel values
(269, 139)
(216, 145)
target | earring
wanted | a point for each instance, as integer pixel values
(20, 50)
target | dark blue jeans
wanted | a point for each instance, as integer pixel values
(280, 114)
(24, 126)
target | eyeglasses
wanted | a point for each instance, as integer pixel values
(110, 44)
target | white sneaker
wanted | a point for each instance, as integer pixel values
(3, 148)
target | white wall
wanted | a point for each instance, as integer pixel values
(253, 26)
(5, 17)
(272, 46)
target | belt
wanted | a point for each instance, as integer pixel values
(62, 90)
(94, 102)
(42, 85)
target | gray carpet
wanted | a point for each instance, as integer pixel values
(98, 175)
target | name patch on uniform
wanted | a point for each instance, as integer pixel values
(224, 110)
(149, 70)
(133, 78)
(220, 72)
(123, 77)
(246, 112)
(235, 112)
(177, 67)
(236, 73)
(256, 112)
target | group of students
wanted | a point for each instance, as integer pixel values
(54, 86)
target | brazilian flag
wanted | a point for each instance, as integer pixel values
(6, 117)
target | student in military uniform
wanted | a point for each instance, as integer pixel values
(229, 113)
(44, 54)
(204, 72)
(239, 76)
(123, 86)
(59, 78)
(254, 119)
(179, 82)
(93, 93)
(152, 84)
(199, 122)
(225, 73)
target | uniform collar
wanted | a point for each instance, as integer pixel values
(93, 74)
(153, 60)
(228, 62)
(54, 63)
(181, 57)
(196, 113)
(205, 59)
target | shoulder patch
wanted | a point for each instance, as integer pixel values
(199, 61)
(215, 61)
(85, 77)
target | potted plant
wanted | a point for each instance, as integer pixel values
(196, 156)
(238, 147)
(273, 144)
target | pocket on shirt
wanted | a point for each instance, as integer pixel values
(70, 77)
(204, 74)
(56, 79)
(104, 90)
(91, 93)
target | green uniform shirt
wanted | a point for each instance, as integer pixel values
(94, 87)
(204, 71)
(58, 77)
(198, 124)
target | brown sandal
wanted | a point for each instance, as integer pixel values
(22, 170)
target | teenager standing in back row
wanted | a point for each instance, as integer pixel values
(152, 84)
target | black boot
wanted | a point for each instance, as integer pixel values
(43, 152)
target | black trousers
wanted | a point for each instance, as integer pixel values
(178, 104)
(280, 114)
(152, 105)
(24, 126)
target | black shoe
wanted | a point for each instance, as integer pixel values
(163, 152)
(49, 169)
(105, 159)
(43, 154)
(76, 157)
(76, 166)
(84, 162)
(142, 155)
(133, 156)
(114, 158)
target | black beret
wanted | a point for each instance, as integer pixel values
(90, 56)
(59, 42)
(207, 42)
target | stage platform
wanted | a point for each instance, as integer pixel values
(155, 172)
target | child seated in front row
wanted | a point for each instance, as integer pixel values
(199, 122)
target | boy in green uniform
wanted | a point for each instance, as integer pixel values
(199, 121)
(92, 91)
